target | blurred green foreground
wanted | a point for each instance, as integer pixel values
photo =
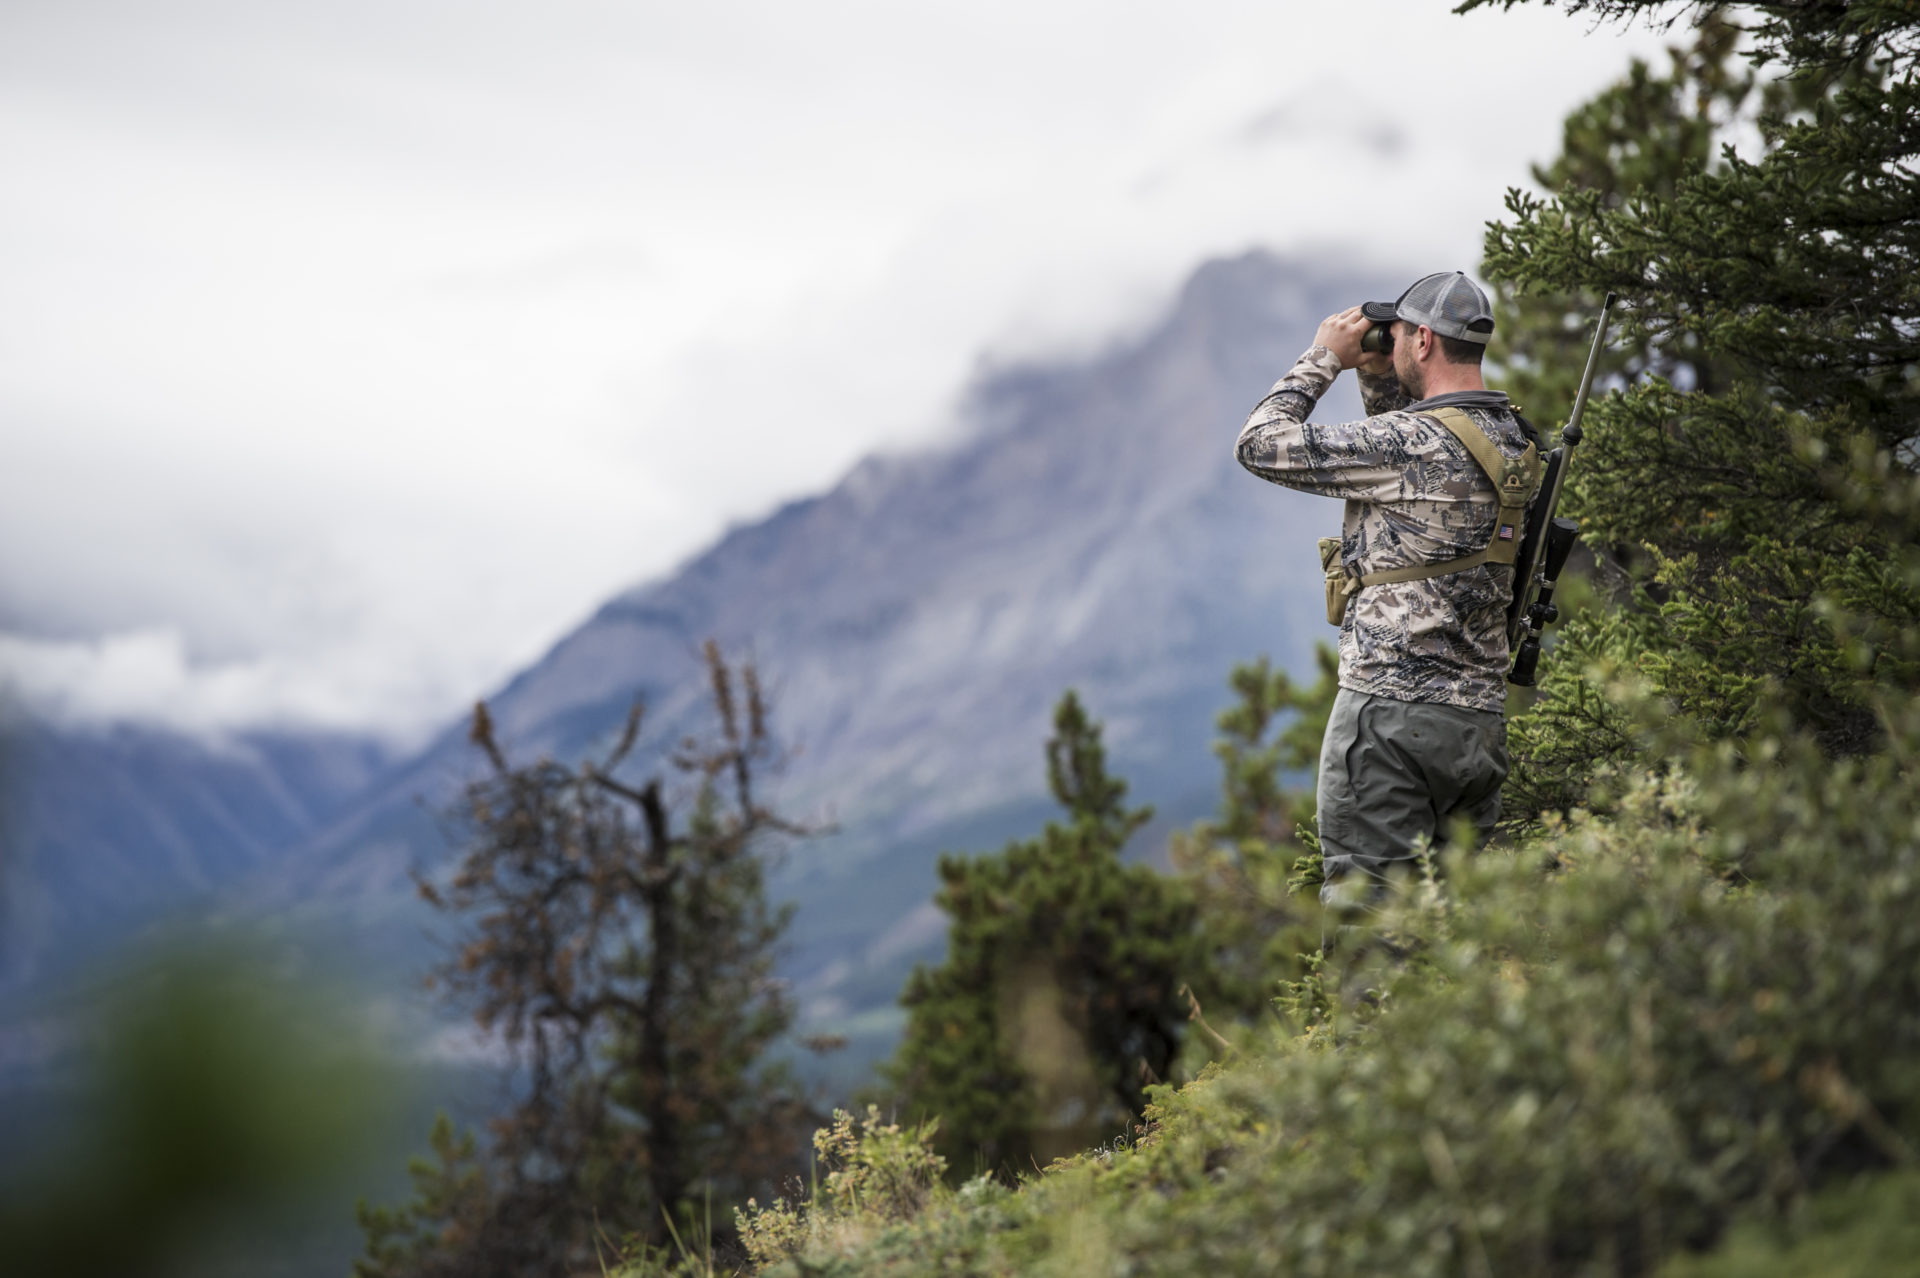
(211, 1107)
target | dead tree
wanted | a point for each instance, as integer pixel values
(618, 941)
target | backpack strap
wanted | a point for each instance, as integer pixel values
(1515, 480)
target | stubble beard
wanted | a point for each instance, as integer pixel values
(1412, 381)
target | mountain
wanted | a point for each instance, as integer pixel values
(1086, 527)
(106, 829)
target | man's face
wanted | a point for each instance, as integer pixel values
(1413, 378)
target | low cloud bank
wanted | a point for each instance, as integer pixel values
(146, 677)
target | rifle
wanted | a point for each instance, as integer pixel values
(1548, 541)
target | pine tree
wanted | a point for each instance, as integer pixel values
(1771, 355)
(1251, 863)
(447, 1212)
(1058, 1002)
(1640, 137)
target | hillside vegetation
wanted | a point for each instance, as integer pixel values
(1576, 1056)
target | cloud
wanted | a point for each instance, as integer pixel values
(1282, 121)
(579, 265)
(147, 677)
(356, 350)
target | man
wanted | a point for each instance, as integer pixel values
(1417, 738)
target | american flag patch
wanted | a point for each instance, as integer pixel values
(1506, 532)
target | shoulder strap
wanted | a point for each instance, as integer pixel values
(1515, 479)
(1473, 439)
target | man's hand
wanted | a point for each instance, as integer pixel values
(1341, 334)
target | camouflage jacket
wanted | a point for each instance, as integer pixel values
(1414, 495)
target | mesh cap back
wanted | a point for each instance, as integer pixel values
(1447, 302)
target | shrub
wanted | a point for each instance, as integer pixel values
(1582, 1056)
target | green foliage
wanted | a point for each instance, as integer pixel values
(1865, 1228)
(1058, 1000)
(1817, 36)
(1250, 863)
(1254, 806)
(450, 1199)
(1640, 137)
(1704, 1014)
(211, 1099)
(877, 1174)
(1765, 381)
(875, 1166)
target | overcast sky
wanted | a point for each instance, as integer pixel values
(353, 350)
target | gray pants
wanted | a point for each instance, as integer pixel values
(1391, 771)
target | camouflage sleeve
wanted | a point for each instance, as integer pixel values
(1364, 460)
(1381, 393)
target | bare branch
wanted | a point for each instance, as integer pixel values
(628, 735)
(722, 681)
(481, 734)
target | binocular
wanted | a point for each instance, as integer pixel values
(1378, 339)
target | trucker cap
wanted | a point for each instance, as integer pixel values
(1447, 302)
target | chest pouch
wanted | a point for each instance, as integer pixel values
(1340, 586)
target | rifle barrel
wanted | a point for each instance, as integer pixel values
(1593, 362)
(1570, 435)
(1534, 571)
